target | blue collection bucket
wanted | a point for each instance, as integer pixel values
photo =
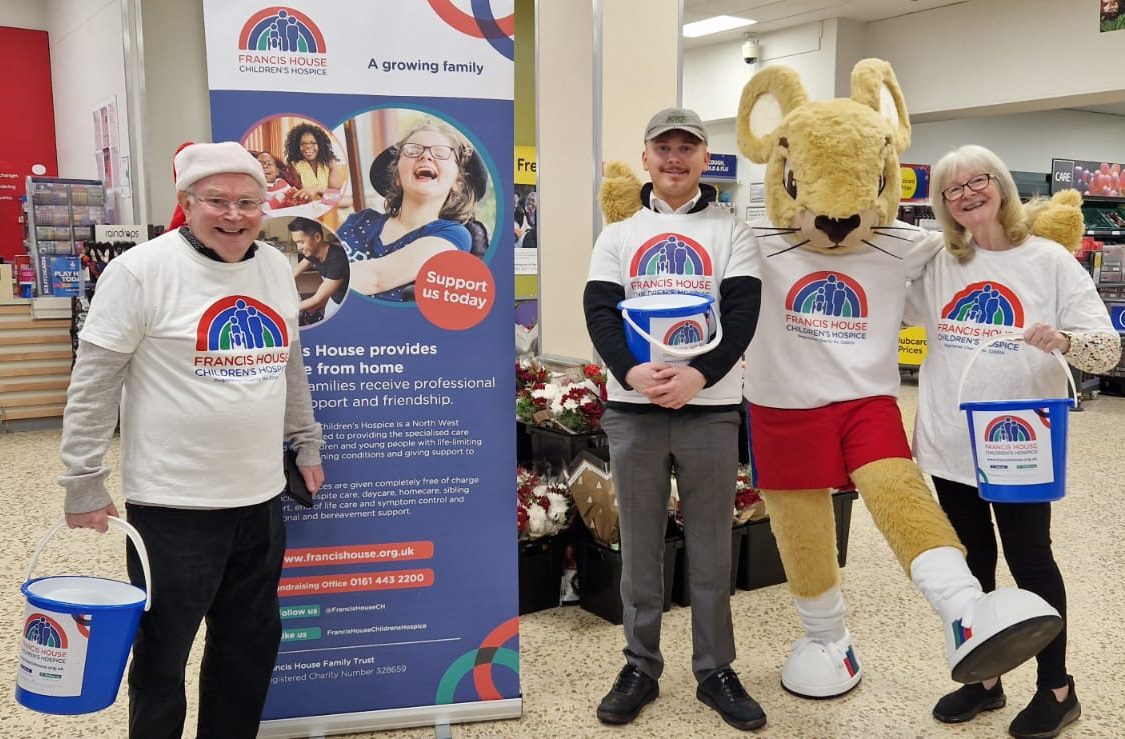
(1019, 446)
(670, 327)
(76, 634)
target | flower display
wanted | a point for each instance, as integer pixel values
(543, 506)
(572, 401)
(748, 503)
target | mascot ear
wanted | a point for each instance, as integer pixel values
(767, 98)
(874, 85)
(1058, 219)
(620, 194)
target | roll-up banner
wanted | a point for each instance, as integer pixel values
(385, 133)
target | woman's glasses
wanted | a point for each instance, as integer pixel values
(976, 184)
(437, 151)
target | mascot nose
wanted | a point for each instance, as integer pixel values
(837, 228)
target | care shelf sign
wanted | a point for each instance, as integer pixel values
(399, 597)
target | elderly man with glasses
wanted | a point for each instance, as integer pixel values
(193, 338)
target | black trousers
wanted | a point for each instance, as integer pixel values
(222, 566)
(1025, 533)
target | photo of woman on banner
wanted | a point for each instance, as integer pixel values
(306, 171)
(432, 183)
(310, 154)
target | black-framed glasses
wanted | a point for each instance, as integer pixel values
(976, 184)
(222, 205)
(437, 151)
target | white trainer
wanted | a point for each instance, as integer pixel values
(997, 632)
(817, 668)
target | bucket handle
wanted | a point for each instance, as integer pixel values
(129, 531)
(693, 351)
(1014, 337)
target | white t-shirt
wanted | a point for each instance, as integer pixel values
(203, 409)
(996, 293)
(651, 253)
(828, 328)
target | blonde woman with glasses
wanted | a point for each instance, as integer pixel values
(994, 279)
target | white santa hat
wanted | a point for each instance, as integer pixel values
(197, 161)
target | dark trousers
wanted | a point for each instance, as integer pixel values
(702, 448)
(222, 566)
(1025, 533)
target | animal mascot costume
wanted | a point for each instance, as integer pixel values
(822, 371)
(822, 376)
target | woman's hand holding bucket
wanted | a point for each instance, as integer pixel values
(1046, 338)
(96, 519)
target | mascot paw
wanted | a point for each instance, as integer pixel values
(1059, 219)
(997, 632)
(821, 669)
(620, 194)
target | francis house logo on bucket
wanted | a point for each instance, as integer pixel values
(282, 41)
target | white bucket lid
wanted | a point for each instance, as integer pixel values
(86, 591)
(666, 301)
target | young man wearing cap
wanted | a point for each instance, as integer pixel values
(198, 327)
(664, 418)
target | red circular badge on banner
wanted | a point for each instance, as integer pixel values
(454, 290)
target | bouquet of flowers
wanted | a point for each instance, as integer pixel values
(748, 504)
(543, 507)
(534, 389)
(571, 401)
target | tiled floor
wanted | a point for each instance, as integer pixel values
(569, 657)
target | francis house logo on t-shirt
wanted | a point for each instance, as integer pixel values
(827, 306)
(671, 262)
(240, 339)
(979, 311)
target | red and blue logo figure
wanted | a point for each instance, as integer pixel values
(45, 631)
(671, 254)
(827, 294)
(241, 323)
(683, 333)
(987, 302)
(1009, 428)
(481, 23)
(281, 29)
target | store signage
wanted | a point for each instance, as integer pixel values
(399, 595)
(915, 182)
(118, 232)
(1117, 316)
(722, 167)
(526, 165)
(1089, 177)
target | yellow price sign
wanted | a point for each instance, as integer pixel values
(911, 346)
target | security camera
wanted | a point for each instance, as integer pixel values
(750, 51)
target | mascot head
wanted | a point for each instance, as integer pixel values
(832, 167)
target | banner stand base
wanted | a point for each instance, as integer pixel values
(395, 718)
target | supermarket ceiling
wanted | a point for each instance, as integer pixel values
(773, 15)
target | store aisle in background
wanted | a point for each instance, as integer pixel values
(569, 657)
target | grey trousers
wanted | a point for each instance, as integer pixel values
(702, 448)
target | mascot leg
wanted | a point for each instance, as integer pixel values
(985, 634)
(822, 663)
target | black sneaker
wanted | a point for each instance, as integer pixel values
(967, 701)
(632, 691)
(1045, 717)
(723, 692)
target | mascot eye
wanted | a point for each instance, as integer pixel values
(789, 181)
(882, 184)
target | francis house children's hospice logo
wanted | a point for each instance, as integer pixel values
(977, 312)
(827, 307)
(671, 262)
(282, 41)
(240, 339)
